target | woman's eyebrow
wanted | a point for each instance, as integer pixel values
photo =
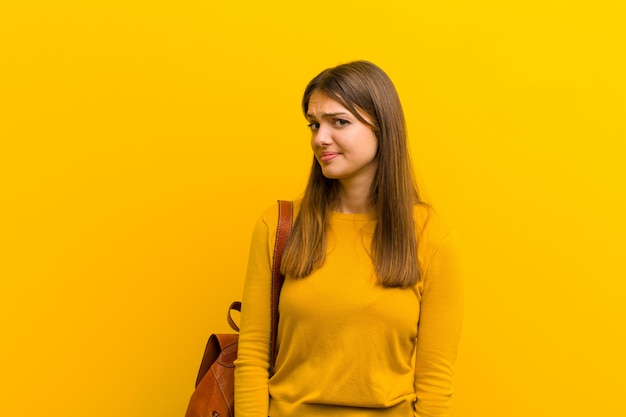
(309, 115)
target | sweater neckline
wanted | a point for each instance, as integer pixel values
(352, 216)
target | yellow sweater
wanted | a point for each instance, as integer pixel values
(346, 346)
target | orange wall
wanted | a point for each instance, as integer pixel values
(139, 141)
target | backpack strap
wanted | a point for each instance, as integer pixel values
(285, 219)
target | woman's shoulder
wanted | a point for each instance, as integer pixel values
(264, 233)
(269, 216)
(430, 227)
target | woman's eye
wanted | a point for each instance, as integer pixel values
(341, 123)
(314, 126)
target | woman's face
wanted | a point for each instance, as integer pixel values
(345, 147)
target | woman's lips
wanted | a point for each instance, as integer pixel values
(327, 156)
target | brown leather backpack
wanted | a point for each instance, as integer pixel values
(214, 395)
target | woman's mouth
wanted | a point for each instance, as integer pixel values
(327, 156)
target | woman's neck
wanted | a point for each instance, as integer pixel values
(354, 199)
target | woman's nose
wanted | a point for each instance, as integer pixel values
(322, 136)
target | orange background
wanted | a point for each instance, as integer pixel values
(140, 140)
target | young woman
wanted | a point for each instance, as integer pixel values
(370, 311)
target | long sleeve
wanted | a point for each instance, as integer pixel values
(439, 329)
(251, 366)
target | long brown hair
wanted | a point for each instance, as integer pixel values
(364, 89)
